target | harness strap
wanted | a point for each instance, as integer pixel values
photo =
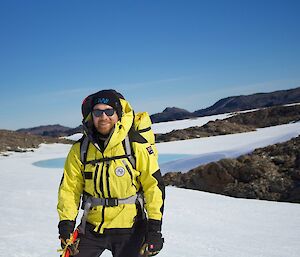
(91, 202)
(129, 152)
(111, 202)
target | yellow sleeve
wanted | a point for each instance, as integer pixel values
(151, 181)
(71, 186)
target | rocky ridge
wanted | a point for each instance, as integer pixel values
(212, 128)
(233, 104)
(248, 102)
(52, 130)
(242, 122)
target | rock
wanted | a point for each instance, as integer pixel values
(270, 173)
(13, 141)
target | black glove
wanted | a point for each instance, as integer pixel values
(66, 228)
(154, 240)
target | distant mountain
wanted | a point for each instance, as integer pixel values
(247, 102)
(47, 130)
(73, 131)
(171, 113)
(229, 104)
(232, 104)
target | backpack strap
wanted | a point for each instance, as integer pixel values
(128, 151)
(83, 149)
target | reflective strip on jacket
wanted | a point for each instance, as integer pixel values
(113, 179)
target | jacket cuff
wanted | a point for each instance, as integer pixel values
(154, 225)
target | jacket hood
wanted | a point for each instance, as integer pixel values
(120, 130)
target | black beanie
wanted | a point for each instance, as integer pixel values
(109, 97)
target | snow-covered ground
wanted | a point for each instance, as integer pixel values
(196, 224)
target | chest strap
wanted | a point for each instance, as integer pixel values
(90, 202)
(127, 147)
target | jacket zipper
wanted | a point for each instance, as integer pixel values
(101, 182)
(107, 179)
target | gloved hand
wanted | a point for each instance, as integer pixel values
(66, 228)
(154, 240)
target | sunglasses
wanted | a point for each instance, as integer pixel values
(108, 112)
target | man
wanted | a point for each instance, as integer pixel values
(111, 185)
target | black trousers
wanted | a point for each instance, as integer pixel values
(93, 244)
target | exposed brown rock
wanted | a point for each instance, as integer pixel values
(270, 173)
(212, 128)
(22, 142)
(268, 117)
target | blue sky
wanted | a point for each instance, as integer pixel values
(158, 53)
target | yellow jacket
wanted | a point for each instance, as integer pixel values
(113, 179)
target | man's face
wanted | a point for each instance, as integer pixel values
(104, 123)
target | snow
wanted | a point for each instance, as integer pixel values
(74, 137)
(165, 127)
(209, 149)
(195, 223)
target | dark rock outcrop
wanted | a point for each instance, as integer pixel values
(268, 117)
(171, 113)
(270, 173)
(212, 128)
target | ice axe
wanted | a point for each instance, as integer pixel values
(71, 246)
